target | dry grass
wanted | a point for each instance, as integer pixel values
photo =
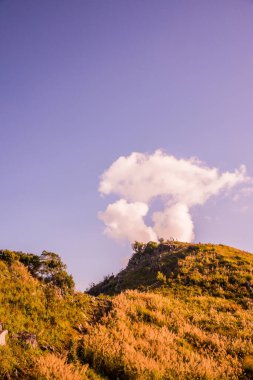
(53, 367)
(149, 336)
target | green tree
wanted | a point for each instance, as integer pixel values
(48, 267)
(53, 270)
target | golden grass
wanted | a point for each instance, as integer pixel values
(149, 336)
(53, 367)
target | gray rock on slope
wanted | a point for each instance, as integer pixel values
(2, 337)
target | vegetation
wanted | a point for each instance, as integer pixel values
(177, 311)
(47, 267)
(36, 307)
(51, 366)
(150, 336)
(186, 268)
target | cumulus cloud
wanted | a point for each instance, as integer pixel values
(125, 220)
(180, 183)
(175, 221)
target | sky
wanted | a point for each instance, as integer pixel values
(86, 83)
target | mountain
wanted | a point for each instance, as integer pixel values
(215, 270)
(177, 311)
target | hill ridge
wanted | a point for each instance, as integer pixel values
(177, 311)
(209, 268)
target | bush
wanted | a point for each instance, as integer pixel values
(161, 277)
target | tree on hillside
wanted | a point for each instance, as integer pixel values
(48, 267)
(52, 270)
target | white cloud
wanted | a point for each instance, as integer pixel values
(180, 183)
(175, 220)
(125, 220)
(141, 177)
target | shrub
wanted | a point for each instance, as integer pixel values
(161, 278)
(138, 247)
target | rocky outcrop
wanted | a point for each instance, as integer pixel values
(2, 337)
(147, 260)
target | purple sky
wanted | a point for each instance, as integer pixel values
(84, 82)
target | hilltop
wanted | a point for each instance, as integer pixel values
(177, 311)
(216, 270)
(188, 315)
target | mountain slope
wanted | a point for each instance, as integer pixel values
(40, 317)
(177, 311)
(189, 317)
(216, 270)
(153, 336)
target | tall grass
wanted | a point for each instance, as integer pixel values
(53, 367)
(149, 336)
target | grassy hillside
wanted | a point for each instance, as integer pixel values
(178, 311)
(197, 269)
(152, 336)
(189, 317)
(28, 307)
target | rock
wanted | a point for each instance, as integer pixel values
(166, 247)
(47, 347)
(28, 338)
(2, 337)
